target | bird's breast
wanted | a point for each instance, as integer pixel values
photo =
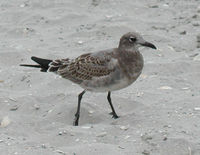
(131, 64)
(115, 81)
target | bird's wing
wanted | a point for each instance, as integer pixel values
(84, 67)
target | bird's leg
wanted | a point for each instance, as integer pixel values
(77, 115)
(113, 110)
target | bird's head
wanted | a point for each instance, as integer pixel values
(132, 41)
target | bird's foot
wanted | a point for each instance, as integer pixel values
(75, 123)
(114, 115)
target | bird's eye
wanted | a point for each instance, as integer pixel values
(132, 39)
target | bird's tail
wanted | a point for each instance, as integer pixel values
(42, 63)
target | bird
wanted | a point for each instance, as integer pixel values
(102, 71)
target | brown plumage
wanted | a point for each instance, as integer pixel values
(84, 67)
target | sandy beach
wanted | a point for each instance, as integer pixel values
(159, 113)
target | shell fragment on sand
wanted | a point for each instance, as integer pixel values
(124, 128)
(165, 88)
(196, 58)
(5, 122)
(60, 151)
(103, 134)
(197, 108)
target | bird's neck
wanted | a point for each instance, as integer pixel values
(131, 61)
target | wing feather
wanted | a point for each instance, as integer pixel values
(84, 67)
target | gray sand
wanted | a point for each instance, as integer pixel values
(159, 113)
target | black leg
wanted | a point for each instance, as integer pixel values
(110, 102)
(77, 115)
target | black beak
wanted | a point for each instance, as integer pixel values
(147, 44)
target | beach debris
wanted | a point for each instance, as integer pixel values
(61, 152)
(27, 30)
(103, 134)
(127, 136)
(43, 146)
(185, 88)
(1, 141)
(5, 122)
(108, 16)
(90, 112)
(86, 127)
(153, 6)
(158, 28)
(195, 23)
(183, 32)
(124, 128)
(166, 5)
(195, 16)
(197, 58)
(65, 132)
(165, 88)
(23, 5)
(139, 94)
(165, 138)
(5, 101)
(23, 78)
(72, 134)
(198, 41)
(60, 133)
(190, 151)
(60, 38)
(95, 2)
(143, 76)
(1, 81)
(14, 108)
(77, 140)
(171, 48)
(159, 55)
(198, 38)
(167, 126)
(12, 99)
(145, 152)
(146, 137)
(197, 108)
(198, 9)
(36, 106)
(121, 147)
(80, 42)
(194, 55)
(49, 111)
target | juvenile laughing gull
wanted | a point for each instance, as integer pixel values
(102, 71)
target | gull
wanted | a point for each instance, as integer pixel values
(102, 71)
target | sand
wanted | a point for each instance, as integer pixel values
(159, 113)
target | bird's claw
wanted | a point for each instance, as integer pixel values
(114, 115)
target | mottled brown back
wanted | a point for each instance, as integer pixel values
(84, 67)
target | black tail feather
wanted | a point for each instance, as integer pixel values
(27, 65)
(42, 63)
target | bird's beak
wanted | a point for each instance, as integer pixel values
(148, 44)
